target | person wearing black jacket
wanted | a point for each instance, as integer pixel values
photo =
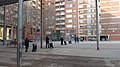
(61, 39)
(27, 44)
(47, 41)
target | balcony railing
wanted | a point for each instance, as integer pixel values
(60, 18)
(60, 13)
(60, 28)
(59, 4)
(58, 9)
(60, 23)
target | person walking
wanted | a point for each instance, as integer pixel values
(47, 41)
(27, 44)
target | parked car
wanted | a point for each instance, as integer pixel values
(92, 38)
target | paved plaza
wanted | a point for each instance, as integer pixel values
(82, 54)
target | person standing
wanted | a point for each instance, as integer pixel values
(47, 41)
(75, 38)
(27, 44)
(69, 40)
(81, 39)
(61, 39)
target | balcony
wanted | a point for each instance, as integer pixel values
(62, 13)
(59, 4)
(58, 9)
(60, 28)
(60, 23)
(60, 18)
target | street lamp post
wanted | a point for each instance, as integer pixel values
(19, 33)
(4, 29)
(97, 23)
(41, 24)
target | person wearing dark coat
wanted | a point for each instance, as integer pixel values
(77, 39)
(61, 39)
(27, 44)
(47, 41)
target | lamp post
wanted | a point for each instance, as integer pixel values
(4, 29)
(19, 33)
(97, 23)
(41, 23)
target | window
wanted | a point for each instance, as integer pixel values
(89, 11)
(89, 16)
(68, 5)
(74, 15)
(69, 16)
(92, 15)
(81, 31)
(81, 21)
(80, 6)
(81, 16)
(81, 27)
(69, 11)
(92, 21)
(48, 3)
(74, 10)
(52, 3)
(81, 11)
(69, 21)
(74, 26)
(46, 18)
(80, 1)
(69, 0)
(88, 6)
(68, 26)
(93, 10)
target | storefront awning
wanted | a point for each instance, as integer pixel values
(6, 2)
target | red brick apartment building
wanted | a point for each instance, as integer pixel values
(110, 18)
(61, 18)
(69, 18)
(79, 18)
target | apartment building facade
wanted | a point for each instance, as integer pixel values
(110, 18)
(64, 16)
(79, 18)
(87, 18)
